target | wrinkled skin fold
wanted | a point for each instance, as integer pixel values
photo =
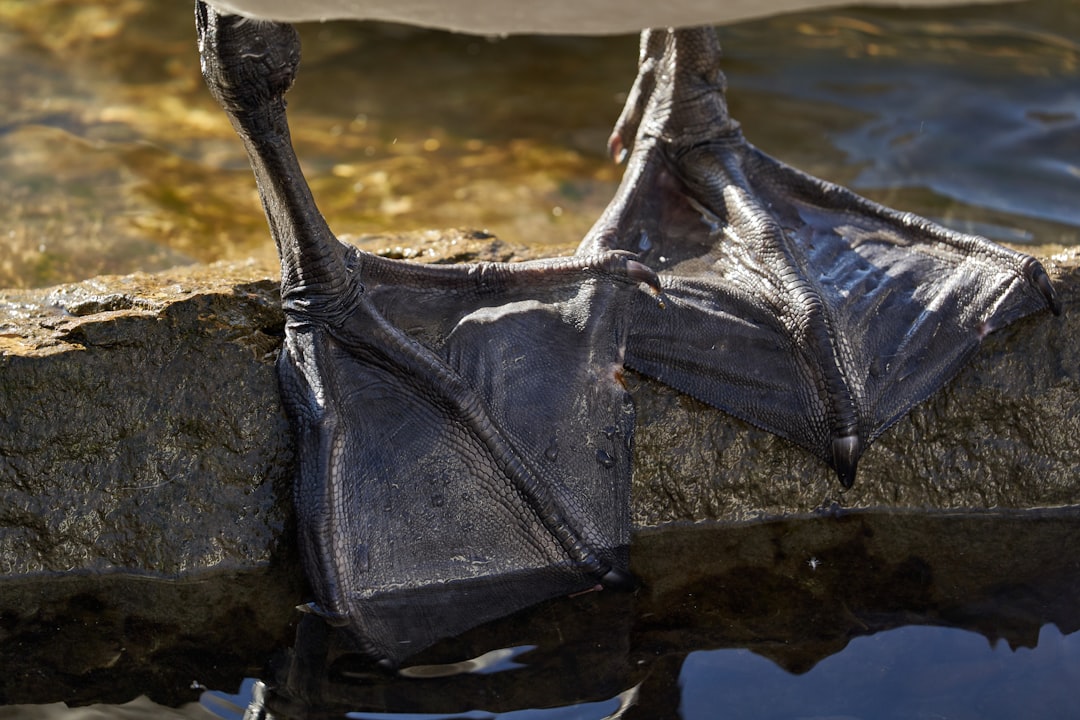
(464, 436)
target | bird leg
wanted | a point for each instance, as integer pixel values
(792, 303)
(464, 435)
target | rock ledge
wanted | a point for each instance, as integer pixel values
(141, 429)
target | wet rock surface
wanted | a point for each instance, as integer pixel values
(141, 428)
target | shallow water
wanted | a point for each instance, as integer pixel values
(855, 615)
(113, 158)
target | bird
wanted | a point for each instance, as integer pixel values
(559, 17)
(464, 432)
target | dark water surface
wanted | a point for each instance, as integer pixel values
(113, 157)
(849, 615)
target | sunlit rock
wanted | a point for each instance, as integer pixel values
(141, 427)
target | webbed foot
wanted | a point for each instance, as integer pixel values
(792, 303)
(463, 432)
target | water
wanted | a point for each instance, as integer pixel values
(113, 157)
(857, 615)
(909, 672)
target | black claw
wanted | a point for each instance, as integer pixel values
(330, 618)
(846, 450)
(616, 579)
(645, 274)
(1042, 281)
(617, 150)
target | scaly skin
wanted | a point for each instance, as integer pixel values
(827, 316)
(464, 436)
(421, 462)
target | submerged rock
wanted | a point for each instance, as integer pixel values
(141, 428)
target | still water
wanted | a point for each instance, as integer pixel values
(114, 159)
(849, 615)
(908, 672)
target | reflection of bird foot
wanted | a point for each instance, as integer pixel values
(793, 303)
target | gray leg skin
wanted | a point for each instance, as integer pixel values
(791, 303)
(463, 432)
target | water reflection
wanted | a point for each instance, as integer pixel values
(962, 616)
(902, 616)
(909, 672)
(602, 710)
(113, 157)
